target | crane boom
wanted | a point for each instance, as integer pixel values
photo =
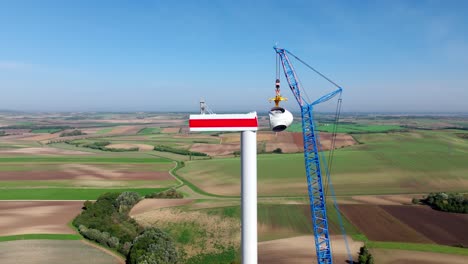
(312, 160)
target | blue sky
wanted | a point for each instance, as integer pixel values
(164, 55)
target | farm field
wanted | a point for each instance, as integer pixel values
(391, 256)
(406, 223)
(53, 252)
(300, 250)
(349, 128)
(45, 179)
(37, 217)
(393, 163)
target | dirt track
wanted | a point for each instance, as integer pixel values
(37, 217)
(301, 249)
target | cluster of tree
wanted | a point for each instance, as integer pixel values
(365, 257)
(107, 222)
(447, 202)
(75, 132)
(109, 214)
(168, 194)
(178, 151)
(152, 247)
(462, 135)
(101, 145)
(105, 238)
(277, 151)
(260, 150)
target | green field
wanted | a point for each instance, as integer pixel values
(104, 130)
(66, 193)
(349, 128)
(46, 130)
(385, 163)
(41, 236)
(149, 131)
(419, 247)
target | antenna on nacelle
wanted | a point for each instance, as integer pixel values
(204, 108)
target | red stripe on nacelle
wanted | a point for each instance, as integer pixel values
(199, 123)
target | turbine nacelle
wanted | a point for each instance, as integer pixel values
(280, 119)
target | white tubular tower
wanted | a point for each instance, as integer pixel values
(247, 124)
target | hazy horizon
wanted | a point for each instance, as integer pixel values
(86, 56)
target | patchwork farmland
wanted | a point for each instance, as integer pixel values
(378, 168)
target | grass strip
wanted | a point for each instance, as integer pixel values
(41, 236)
(67, 193)
(181, 164)
(419, 247)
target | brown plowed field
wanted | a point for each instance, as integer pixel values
(291, 142)
(215, 149)
(37, 217)
(301, 249)
(171, 130)
(43, 151)
(408, 223)
(125, 130)
(440, 227)
(66, 175)
(85, 172)
(141, 147)
(379, 225)
(55, 252)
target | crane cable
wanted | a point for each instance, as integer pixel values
(277, 67)
(312, 68)
(333, 142)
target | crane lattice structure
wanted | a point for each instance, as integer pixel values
(315, 164)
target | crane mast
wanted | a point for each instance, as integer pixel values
(313, 166)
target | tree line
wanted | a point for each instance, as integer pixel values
(107, 222)
(178, 151)
(446, 202)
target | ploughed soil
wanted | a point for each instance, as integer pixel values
(288, 142)
(171, 130)
(291, 142)
(379, 225)
(55, 252)
(441, 227)
(216, 149)
(43, 151)
(393, 199)
(37, 217)
(141, 147)
(84, 172)
(301, 249)
(408, 223)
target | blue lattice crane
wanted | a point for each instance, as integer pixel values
(315, 164)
